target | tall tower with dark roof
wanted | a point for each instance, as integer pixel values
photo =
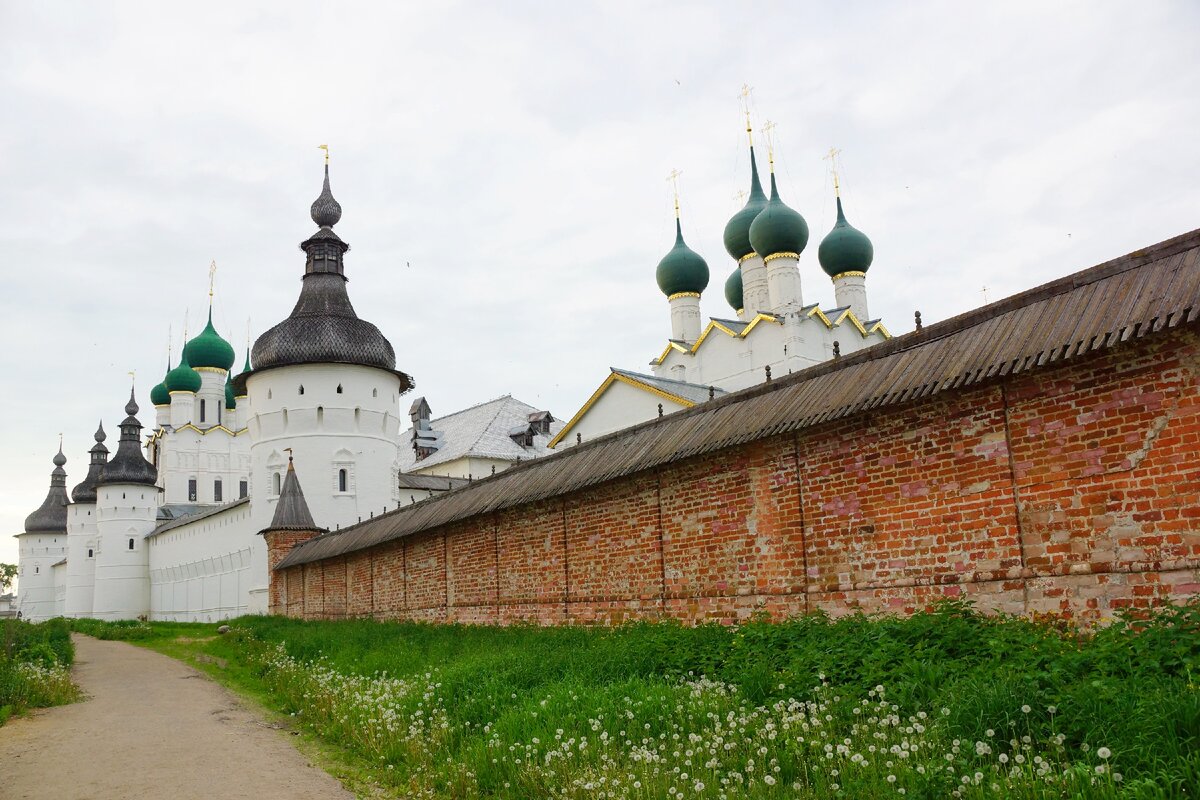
(82, 534)
(42, 545)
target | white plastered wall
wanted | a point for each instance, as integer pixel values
(620, 406)
(36, 554)
(126, 513)
(81, 559)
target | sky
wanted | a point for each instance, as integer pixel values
(502, 170)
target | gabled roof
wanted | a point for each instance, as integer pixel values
(1140, 294)
(680, 392)
(480, 431)
(180, 515)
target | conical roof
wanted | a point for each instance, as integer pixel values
(291, 509)
(845, 248)
(85, 492)
(128, 465)
(51, 515)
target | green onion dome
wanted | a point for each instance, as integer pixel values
(777, 228)
(230, 400)
(737, 230)
(241, 386)
(183, 378)
(208, 349)
(845, 248)
(682, 269)
(159, 395)
(733, 290)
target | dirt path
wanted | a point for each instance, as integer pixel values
(152, 728)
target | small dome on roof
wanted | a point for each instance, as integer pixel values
(845, 248)
(159, 395)
(208, 349)
(183, 378)
(733, 290)
(682, 269)
(778, 228)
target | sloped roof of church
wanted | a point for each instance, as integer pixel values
(480, 431)
(1139, 294)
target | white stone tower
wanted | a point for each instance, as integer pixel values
(82, 536)
(324, 387)
(41, 546)
(126, 508)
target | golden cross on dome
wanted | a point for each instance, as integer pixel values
(747, 95)
(324, 147)
(674, 179)
(169, 344)
(767, 128)
(740, 195)
(832, 159)
(212, 275)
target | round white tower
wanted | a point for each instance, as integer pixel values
(82, 538)
(324, 387)
(126, 508)
(41, 546)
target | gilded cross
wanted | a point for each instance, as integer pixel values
(832, 159)
(674, 179)
(767, 128)
(746, 96)
(212, 276)
(324, 147)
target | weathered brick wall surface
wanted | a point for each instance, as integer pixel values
(1074, 489)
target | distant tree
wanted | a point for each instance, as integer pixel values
(8, 573)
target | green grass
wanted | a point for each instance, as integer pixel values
(458, 711)
(35, 663)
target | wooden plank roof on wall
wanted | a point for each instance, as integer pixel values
(1144, 292)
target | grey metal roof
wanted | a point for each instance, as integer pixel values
(85, 491)
(1140, 294)
(195, 516)
(480, 431)
(432, 483)
(51, 515)
(128, 465)
(694, 392)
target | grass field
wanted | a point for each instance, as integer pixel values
(35, 663)
(948, 703)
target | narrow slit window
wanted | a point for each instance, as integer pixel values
(131, 544)
(275, 483)
(342, 480)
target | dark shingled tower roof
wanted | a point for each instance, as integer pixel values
(51, 515)
(291, 510)
(129, 465)
(85, 492)
(323, 327)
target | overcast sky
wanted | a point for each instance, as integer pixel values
(502, 170)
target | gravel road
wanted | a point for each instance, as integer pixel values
(151, 727)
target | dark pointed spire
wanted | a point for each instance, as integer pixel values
(85, 492)
(51, 515)
(326, 211)
(128, 465)
(291, 509)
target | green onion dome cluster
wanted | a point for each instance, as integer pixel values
(160, 395)
(682, 269)
(733, 289)
(845, 248)
(183, 378)
(778, 228)
(208, 349)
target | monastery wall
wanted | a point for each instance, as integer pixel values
(1073, 488)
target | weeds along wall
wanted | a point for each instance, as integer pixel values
(1073, 488)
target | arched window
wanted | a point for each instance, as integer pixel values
(320, 416)
(243, 488)
(217, 491)
(339, 389)
(37, 570)
(202, 407)
(90, 553)
(275, 483)
(374, 393)
(268, 394)
(131, 544)
(302, 388)
(342, 480)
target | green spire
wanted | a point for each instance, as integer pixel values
(246, 368)
(208, 349)
(159, 395)
(230, 400)
(845, 248)
(737, 230)
(778, 228)
(682, 269)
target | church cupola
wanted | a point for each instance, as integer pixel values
(323, 327)
(128, 465)
(85, 492)
(183, 378)
(779, 235)
(845, 255)
(51, 515)
(160, 395)
(230, 400)
(208, 350)
(682, 276)
(733, 291)
(737, 230)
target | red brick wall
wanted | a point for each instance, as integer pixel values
(1074, 488)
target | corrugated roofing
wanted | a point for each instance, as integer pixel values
(695, 392)
(1142, 293)
(435, 483)
(479, 432)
